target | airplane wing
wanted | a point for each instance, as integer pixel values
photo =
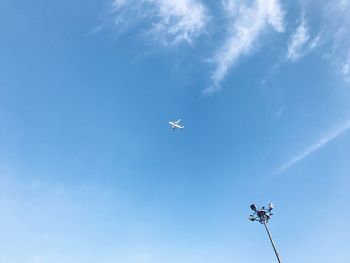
(177, 122)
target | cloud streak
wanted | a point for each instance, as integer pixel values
(300, 42)
(323, 141)
(346, 69)
(246, 22)
(165, 22)
(337, 32)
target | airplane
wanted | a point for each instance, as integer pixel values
(175, 124)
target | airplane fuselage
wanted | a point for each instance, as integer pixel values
(175, 125)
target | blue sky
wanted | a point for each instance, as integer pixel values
(90, 170)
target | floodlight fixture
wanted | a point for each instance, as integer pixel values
(251, 218)
(253, 207)
(271, 206)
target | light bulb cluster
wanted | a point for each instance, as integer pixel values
(261, 215)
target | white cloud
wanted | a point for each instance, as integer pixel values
(300, 42)
(346, 69)
(323, 141)
(246, 22)
(119, 4)
(337, 33)
(167, 22)
(344, 4)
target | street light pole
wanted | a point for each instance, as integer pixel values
(263, 216)
(272, 243)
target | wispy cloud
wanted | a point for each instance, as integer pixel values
(321, 142)
(346, 69)
(337, 32)
(300, 42)
(344, 4)
(166, 22)
(246, 23)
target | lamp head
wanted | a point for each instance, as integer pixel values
(253, 207)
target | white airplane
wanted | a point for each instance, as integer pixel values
(175, 124)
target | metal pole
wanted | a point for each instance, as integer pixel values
(273, 244)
